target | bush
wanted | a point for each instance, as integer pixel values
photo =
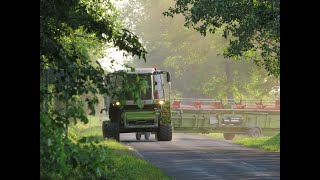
(86, 155)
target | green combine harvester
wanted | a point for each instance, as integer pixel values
(159, 115)
(152, 116)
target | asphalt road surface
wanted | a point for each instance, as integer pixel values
(193, 156)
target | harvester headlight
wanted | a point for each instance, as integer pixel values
(161, 102)
(118, 103)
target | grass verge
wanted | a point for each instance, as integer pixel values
(271, 143)
(120, 163)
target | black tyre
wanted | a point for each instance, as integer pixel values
(111, 130)
(138, 136)
(147, 135)
(164, 133)
(229, 136)
(254, 132)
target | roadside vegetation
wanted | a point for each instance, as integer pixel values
(74, 36)
(89, 156)
(271, 143)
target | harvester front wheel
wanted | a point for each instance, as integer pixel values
(110, 130)
(164, 133)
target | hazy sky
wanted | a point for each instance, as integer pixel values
(111, 53)
(117, 56)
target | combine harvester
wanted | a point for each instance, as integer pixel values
(252, 117)
(160, 114)
(127, 117)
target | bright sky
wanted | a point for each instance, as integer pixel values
(111, 52)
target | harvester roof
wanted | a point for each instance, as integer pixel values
(140, 71)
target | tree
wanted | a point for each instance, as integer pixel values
(252, 26)
(197, 70)
(73, 36)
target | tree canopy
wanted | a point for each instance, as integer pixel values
(197, 70)
(73, 36)
(252, 27)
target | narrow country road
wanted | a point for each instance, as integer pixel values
(193, 156)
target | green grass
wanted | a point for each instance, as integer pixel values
(121, 163)
(271, 143)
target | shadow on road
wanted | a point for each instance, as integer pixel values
(136, 141)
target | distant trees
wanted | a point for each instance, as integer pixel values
(252, 26)
(197, 69)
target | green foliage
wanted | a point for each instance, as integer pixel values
(197, 70)
(271, 143)
(52, 147)
(253, 27)
(268, 142)
(74, 34)
(248, 82)
(88, 156)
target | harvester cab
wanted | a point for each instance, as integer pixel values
(127, 114)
